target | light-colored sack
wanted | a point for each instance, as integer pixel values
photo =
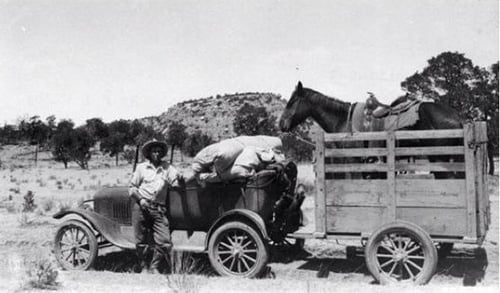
(220, 157)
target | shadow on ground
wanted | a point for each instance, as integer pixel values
(126, 261)
(468, 264)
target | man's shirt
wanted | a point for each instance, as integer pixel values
(151, 180)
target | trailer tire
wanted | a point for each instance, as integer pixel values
(401, 252)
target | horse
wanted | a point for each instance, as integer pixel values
(333, 116)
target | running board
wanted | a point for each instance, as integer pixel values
(189, 248)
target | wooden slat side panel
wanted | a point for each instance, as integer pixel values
(411, 134)
(356, 136)
(470, 177)
(356, 193)
(319, 169)
(356, 152)
(426, 151)
(431, 193)
(354, 219)
(436, 221)
(332, 168)
(420, 134)
(436, 167)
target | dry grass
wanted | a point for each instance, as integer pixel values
(40, 273)
(25, 220)
(182, 278)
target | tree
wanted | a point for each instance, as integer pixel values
(488, 99)
(453, 79)
(449, 78)
(196, 142)
(97, 128)
(82, 141)
(8, 134)
(176, 135)
(51, 126)
(297, 145)
(251, 120)
(35, 131)
(119, 136)
(62, 141)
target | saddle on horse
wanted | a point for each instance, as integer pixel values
(376, 116)
(379, 110)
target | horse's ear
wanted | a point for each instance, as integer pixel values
(299, 87)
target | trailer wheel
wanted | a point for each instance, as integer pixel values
(237, 249)
(75, 246)
(401, 252)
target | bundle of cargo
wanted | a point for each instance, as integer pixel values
(238, 157)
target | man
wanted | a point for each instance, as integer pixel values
(149, 213)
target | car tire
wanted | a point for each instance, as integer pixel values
(237, 249)
(75, 246)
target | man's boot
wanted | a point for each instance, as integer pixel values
(158, 255)
(141, 251)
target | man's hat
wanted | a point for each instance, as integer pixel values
(146, 149)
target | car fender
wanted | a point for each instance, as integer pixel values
(109, 229)
(239, 215)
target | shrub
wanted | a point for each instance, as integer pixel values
(183, 267)
(29, 202)
(24, 220)
(48, 205)
(41, 274)
(129, 155)
(15, 190)
(196, 142)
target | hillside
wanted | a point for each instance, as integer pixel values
(214, 115)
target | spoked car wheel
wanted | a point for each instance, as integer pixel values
(75, 246)
(237, 249)
(401, 252)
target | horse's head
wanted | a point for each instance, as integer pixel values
(296, 111)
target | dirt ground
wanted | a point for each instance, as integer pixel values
(323, 267)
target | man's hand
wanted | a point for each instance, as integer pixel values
(143, 203)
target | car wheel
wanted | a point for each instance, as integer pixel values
(401, 252)
(75, 246)
(237, 249)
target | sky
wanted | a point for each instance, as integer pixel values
(125, 59)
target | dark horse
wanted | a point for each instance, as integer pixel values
(333, 115)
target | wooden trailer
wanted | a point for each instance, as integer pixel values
(383, 187)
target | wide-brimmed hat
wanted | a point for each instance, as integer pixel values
(146, 148)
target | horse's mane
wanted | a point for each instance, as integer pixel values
(325, 101)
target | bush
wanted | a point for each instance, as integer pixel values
(24, 220)
(183, 267)
(41, 274)
(129, 155)
(29, 202)
(196, 142)
(48, 205)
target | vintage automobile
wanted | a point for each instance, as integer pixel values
(239, 220)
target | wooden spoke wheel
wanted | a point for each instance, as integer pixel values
(237, 249)
(75, 246)
(401, 252)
